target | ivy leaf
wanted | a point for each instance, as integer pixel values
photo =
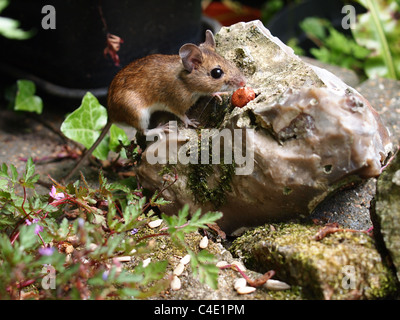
(4, 4)
(118, 135)
(26, 99)
(85, 124)
(9, 28)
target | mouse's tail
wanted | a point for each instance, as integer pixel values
(89, 151)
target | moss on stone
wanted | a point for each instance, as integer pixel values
(209, 182)
(322, 268)
(386, 212)
(203, 190)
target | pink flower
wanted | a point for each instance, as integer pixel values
(28, 222)
(38, 228)
(46, 251)
(56, 195)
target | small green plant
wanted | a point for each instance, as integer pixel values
(372, 50)
(379, 30)
(333, 46)
(80, 232)
(202, 263)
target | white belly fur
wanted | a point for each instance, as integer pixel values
(147, 112)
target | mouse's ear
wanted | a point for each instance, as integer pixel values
(210, 41)
(191, 56)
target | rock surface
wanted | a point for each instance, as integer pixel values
(343, 265)
(386, 212)
(351, 206)
(310, 133)
(191, 288)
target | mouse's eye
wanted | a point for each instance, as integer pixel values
(216, 73)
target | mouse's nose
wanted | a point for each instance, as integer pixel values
(241, 82)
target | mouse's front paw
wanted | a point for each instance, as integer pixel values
(193, 122)
(189, 122)
(219, 94)
(165, 127)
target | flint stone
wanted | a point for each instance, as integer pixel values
(312, 135)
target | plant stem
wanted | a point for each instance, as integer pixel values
(387, 56)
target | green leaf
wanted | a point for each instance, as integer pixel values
(29, 177)
(85, 124)
(154, 271)
(3, 184)
(160, 202)
(29, 170)
(180, 223)
(126, 185)
(4, 171)
(4, 4)
(64, 228)
(9, 27)
(314, 27)
(116, 135)
(208, 273)
(128, 277)
(201, 221)
(14, 173)
(203, 265)
(6, 249)
(26, 99)
(27, 237)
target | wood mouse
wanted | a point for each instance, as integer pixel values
(170, 83)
